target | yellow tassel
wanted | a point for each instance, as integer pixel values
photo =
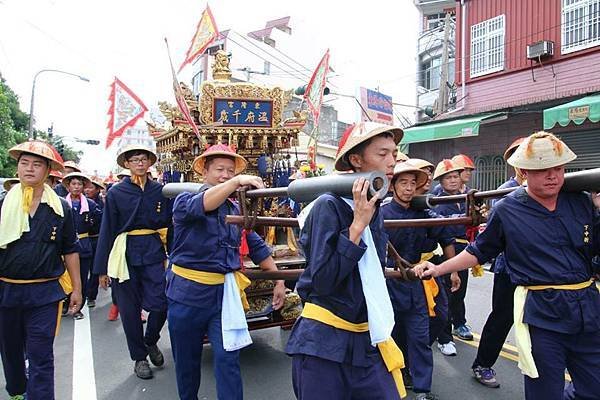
(477, 271)
(27, 198)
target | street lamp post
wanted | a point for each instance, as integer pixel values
(31, 133)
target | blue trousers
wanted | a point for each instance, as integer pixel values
(85, 266)
(553, 352)
(187, 328)
(315, 378)
(30, 328)
(411, 333)
(145, 289)
(438, 323)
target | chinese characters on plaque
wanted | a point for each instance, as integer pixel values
(248, 113)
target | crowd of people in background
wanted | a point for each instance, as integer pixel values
(359, 335)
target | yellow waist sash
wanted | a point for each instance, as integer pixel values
(65, 282)
(391, 354)
(214, 278)
(477, 271)
(83, 235)
(523, 339)
(430, 287)
(117, 260)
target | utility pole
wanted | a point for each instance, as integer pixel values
(442, 102)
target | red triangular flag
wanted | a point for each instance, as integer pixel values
(315, 88)
(124, 111)
(206, 33)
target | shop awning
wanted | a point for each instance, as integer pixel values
(577, 111)
(464, 127)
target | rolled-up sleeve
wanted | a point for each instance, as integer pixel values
(490, 242)
(259, 250)
(189, 207)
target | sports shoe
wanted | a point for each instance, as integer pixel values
(142, 370)
(17, 397)
(486, 376)
(447, 349)
(78, 315)
(425, 396)
(91, 303)
(407, 378)
(463, 332)
(113, 312)
(156, 356)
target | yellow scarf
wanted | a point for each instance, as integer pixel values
(15, 211)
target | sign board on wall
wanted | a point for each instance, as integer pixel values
(378, 106)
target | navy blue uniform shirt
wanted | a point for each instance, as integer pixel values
(543, 247)
(127, 208)
(454, 210)
(37, 254)
(499, 265)
(331, 280)
(410, 243)
(203, 241)
(87, 222)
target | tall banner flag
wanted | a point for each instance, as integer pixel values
(314, 90)
(124, 110)
(180, 98)
(206, 33)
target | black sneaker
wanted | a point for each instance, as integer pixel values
(408, 382)
(91, 303)
(156, 356)
(486, 376)
(78, 315)
(142, 370)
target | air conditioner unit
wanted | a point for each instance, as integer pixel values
(539, 50)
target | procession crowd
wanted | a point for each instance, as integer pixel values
(360, 336)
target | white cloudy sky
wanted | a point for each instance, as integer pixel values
(372, 44)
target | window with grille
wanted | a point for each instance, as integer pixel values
(487, 46)
(580, 25)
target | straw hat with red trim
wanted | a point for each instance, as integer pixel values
(73, 165)
(402, 168)
(401, 156)
(72, 175)
(132, 147)
(219, 150)
(123, 173)
(463, 161)
(40, 149)
(357, 134)
(7, 184)
(513, 147)
(420, 163)
(445, 166)
(55, 174)
(541, 150)
(98, 183)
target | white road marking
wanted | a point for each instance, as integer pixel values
(84, 379)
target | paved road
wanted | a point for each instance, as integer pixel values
(266, 370)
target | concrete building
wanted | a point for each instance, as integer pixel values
(138, 134)
(524, 66)
(430, 46)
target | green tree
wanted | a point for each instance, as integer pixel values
(14, 124)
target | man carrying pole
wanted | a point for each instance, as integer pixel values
(341, 345)
(548, 238)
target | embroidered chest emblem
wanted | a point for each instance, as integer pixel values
(53, 234)
(158, 205)
(87, 217)
(586, 234)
